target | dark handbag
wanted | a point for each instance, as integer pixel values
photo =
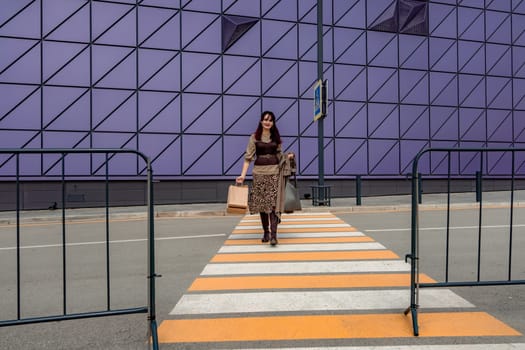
(292, 201)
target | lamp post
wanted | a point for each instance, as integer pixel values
(320, 193)
(320, 121)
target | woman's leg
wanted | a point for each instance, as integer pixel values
(274, 221)
(265, 223)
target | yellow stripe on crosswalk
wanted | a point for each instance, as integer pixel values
(305, 282)
(303, 327)
(306, 256)
(302, 240)
(302, 229)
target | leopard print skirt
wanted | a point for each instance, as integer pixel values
(263, 194)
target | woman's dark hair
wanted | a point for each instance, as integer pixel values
(274, 132)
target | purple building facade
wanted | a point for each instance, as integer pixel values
(163, 77)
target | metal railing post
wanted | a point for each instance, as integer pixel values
(358, 190)
(413, 256)
(151, 261)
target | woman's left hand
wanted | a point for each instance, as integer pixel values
(291, 155)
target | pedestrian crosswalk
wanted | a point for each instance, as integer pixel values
(325, 280)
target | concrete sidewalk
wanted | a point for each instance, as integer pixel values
(338, 205)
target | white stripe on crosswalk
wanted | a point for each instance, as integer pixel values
(299, 235)
(395, 299)
(305, 267)
(301, 247)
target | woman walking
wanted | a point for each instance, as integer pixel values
(265, 147)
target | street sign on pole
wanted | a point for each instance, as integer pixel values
(319, 99)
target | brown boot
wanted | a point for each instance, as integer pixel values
(274, 221)
(265, 223)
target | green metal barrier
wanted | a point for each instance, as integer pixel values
(150, 278)
(414, 256)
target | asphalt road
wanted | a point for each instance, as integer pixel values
(185, 245)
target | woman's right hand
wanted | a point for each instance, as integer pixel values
(240, 180)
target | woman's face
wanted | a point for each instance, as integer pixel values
(267, 122)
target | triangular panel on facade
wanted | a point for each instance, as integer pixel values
(285, 10)
(499, 125)
(383, 121)
(413, 52)
(472, 124)
(111, 107)
(444, 123)
(233, 28)
(414, 122)
(350, 119)
(498, 27)
(159, 147)
(240, 74)
(281, 48)
(471, 26)
(59, 55)
(413, 86)
(471, 90)
(57, 103)
(167, 162)
(234, 158)
(74, 27)
(113, 66)
(443, 89)
(499, 60)
(207, 121)
(241, 114)
(198, 110)
(194, 66)
(443, 21)
(159, 112)
(114, 24)
(382, 85)
(121, 119)
(383, 156)
(23, 67)
(382, 49)
(351, 156)
(153, 21)
(20, 111)
(500, 163)
(471, 57)
(74, 114)
(499, 92)
(408, 149)
(349, 46)
(123, 164)
(349, 82)
(22, 19)
(209, 39)
(350, 13)
(443, 55)
(74, 164)
(164, 37)
(204, 157)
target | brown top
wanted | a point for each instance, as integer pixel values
(266, 153)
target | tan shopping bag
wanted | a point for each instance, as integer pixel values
(237, 199)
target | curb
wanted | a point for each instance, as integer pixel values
(55, 217)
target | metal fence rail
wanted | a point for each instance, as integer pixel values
(414, 255)
(149, 308)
